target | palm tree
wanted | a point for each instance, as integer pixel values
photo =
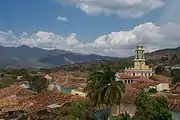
(103, 89)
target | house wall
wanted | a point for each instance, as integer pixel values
(129, 108)
(124, 107)
(74, 92)
(63, 90)
(162, 86)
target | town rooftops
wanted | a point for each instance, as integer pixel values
(160, 78)
(42, 101)
(144, 83)
(14, 90)
(73, 85)
(130, 95)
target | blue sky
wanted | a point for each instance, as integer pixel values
(34, 15)
(87, 25)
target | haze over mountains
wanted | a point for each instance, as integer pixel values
(24, 56)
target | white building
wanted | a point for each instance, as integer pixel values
(162, 86)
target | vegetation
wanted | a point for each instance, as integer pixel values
(176, 76)
(152, 91)
(102, 88)
(15, 72)
(77, 110)
(6, 81)
(151, 108)
(37, 83)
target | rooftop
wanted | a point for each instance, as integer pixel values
(14, 89)
(130, 95)
(38, 102)
(161, 78)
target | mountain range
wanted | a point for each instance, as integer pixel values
(27, 57)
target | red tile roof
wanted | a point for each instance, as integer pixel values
(14, 89)
(161, 78)
(174, 101)
(130, 94)
(145, 83)
(38, 102)
(73, 85)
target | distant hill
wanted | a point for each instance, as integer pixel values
(163, 52)
(153, 58)
(24, 57)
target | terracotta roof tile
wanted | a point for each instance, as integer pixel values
(71, 84)
(38, 102)
(161, 78)
(14, 89)
(174, 101)
(130, 94)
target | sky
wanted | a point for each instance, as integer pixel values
(103, 27)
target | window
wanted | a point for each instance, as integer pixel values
(125, 81)
(131, 81)
(134, 74)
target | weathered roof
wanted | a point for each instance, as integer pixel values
(174, 101)
(37, 102)
(130, 94)
(14, 89)
(161, 78)
(71, 84)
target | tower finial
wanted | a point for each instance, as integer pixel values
(139, 43)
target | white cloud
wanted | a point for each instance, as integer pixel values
(61, 18)
(123, 8)
(120, 43)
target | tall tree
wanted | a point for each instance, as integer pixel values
(176, 76)
(103, 89)
(151, 108)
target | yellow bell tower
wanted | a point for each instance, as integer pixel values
(140, 68)
(139, 61)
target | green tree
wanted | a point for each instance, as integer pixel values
(82, 110)
(103, 89)
(176, 76)
(37, 83)
(159, 69)
(151, 108)
(174, 57)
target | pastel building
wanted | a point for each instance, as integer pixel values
(140, 68)
(79, 92)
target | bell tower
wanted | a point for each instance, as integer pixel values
(139, 60)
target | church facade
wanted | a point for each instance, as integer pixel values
(140, 68)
